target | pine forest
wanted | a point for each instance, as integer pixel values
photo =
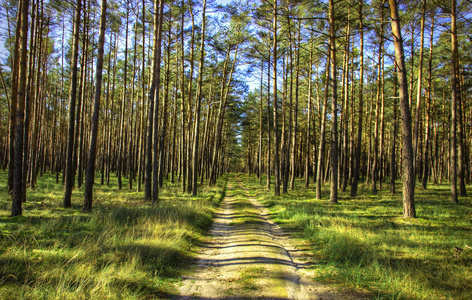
(235, 149)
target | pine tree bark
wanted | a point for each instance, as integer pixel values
(426, 167)
(259, 155)
(164, 110)
(375, 166)
(69, 171)
(309, 115)
(17, 197)
(293, 166)
(334, 107)
(407, 159)
(321, 150)
(14, 96)
(123, 105)
(355, 177)
(156, 85)
(276, 125)
(183, 123)
(454, 102)
(269, 139)
(345, 169)
(219, 122)
(196, 140)
(420, 79)
(90, 172)
(393, 163)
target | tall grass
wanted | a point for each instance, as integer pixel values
(364, 243)
(125, 249)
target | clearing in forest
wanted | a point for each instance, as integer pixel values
(249, 256)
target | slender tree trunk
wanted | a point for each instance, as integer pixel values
(355, 177)
(69, 171)
(183, 139)
(151, 98)
(164, 112)
(105, 127)
(123, 105)
(14, 97)
(134, 145)
(81, 128)
(381, 172)
(156, 93)
(407, 149)
(345, 169)
(35, 34)
(18, 191)
(142, 140)
(455, 100)
(189, 104)
(259, 155)
(393, 164)
(308, 144)
(219, 122)
(418, 93)
(375, 166)
(276, 125)
(90, 173)
(428, 108)
(319, 171)
(295, 116)
(196, 140)
(334, 105)
(269, 144)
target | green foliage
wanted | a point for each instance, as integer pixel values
(363, 243)
(124, 249)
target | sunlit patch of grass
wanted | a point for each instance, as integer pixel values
(248, 277)
(364, 243)
(125, 249)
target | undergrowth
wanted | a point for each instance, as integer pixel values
(124, 249)
(363, 243)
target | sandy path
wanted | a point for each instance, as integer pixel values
(248, 256)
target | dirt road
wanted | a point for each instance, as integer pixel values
(248, 256)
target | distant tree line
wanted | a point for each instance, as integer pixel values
(347, 92)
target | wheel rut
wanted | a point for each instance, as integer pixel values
(248, 256)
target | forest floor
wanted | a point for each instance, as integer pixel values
(248, 256)
(129, 249)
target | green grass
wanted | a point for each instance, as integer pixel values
(124, 249)
(363, 243)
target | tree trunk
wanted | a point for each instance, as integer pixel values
(18, 192)
(69, 171)
(428, 108)
(269, 146)
(164, 112)
(276, 125)
(199, 100)
(308, 144)
(156, 85)
(14, 97)
(123, 105)
(355, 177)
(334, 103)
(90, 173)
(345, 175)
(259, 155)
(454, 101)
(418, 93)
(295, 116)
(321, 151)
(375, 166)
(407, 149)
